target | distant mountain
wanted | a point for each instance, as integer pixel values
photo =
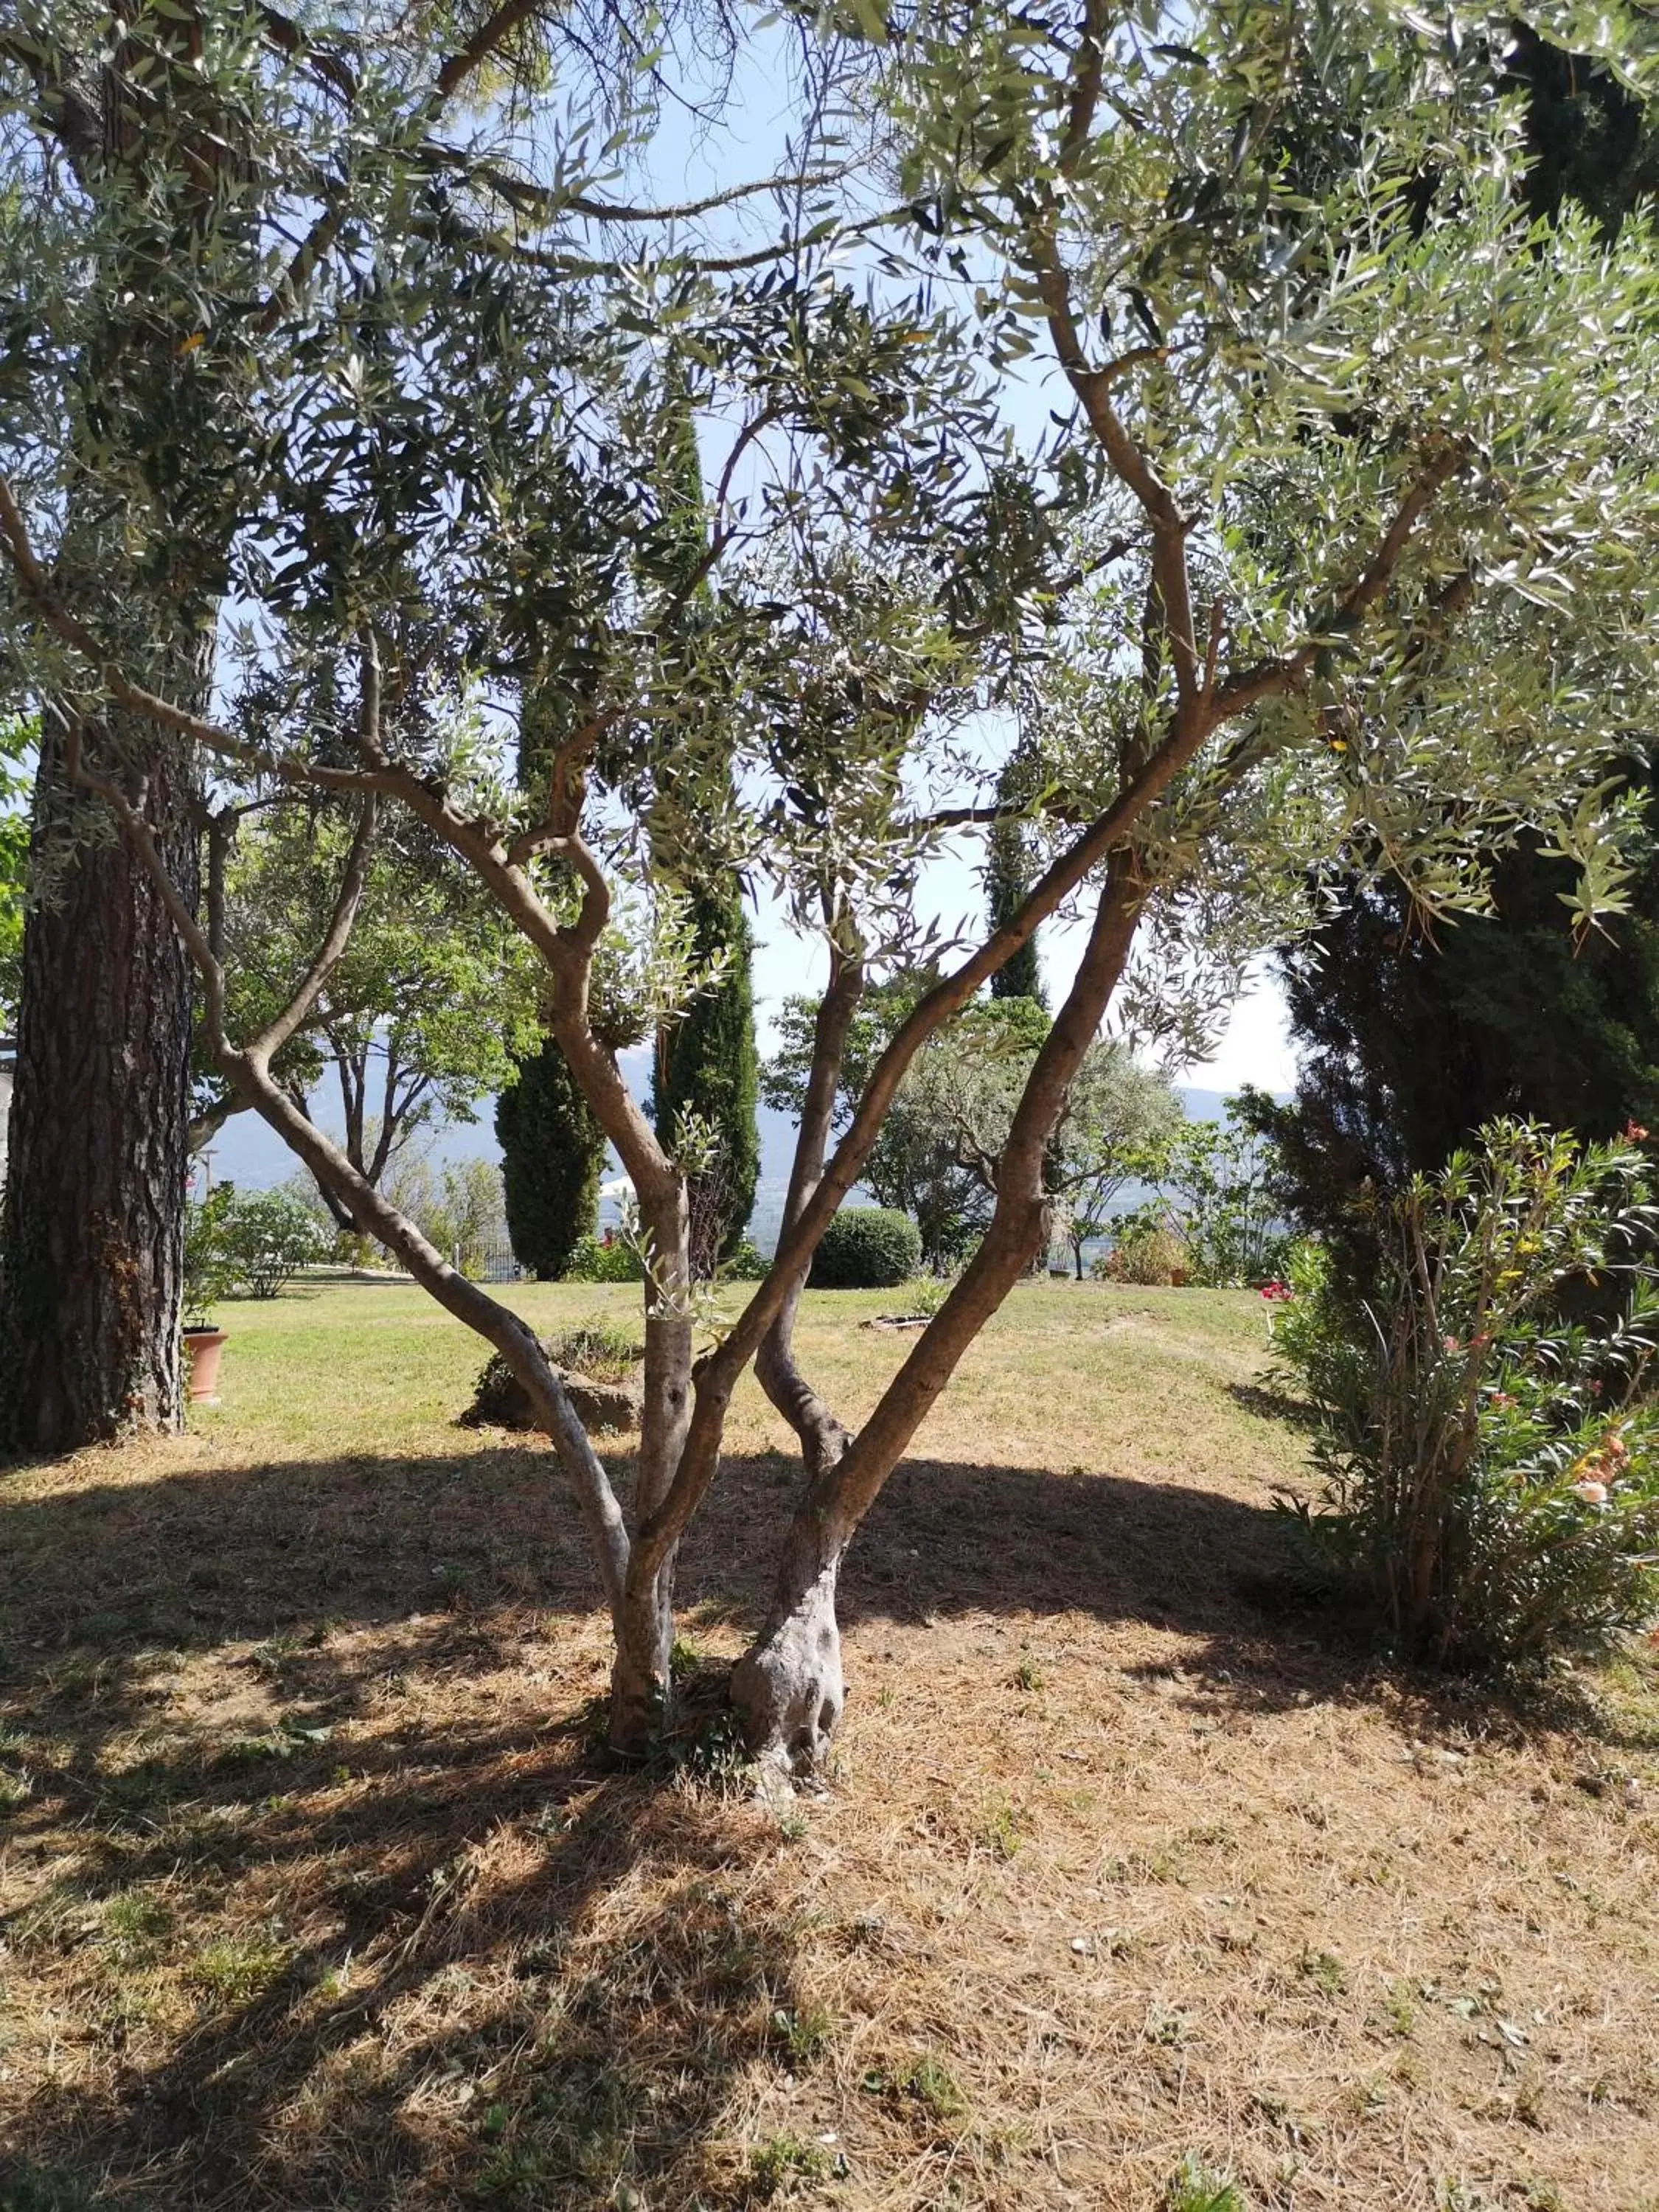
(246, 1151)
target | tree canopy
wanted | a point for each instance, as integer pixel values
(1340, 541)
(423, 1013)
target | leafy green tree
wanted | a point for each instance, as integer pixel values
(1216, 1191)
(470, 1217)
(709, 1073)
(553, 1148)
(1230, 665)
(265, 1238)
(1119, 1118)
(418, 1020)
(1411, 1037)
(916, 1165)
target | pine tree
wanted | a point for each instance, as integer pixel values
(552, 1157)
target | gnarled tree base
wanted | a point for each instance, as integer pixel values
(787, 1688)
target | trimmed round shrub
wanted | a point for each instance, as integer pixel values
(866, 1247)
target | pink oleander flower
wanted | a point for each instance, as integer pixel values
(1592, 1493)
(1276, 1290)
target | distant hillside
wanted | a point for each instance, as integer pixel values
(248, 1153)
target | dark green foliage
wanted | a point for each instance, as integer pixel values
(1010, 872)
(208, 1274)
(552, 1157)
(707, 1067)
(1409, 1041)
(1591, 140)
(866, 1247)
(1492, 1467)
(261, 1239)
(609, 1259)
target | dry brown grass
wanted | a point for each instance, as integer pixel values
(321, 1894)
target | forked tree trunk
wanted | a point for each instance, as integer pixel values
(641, 1680)
(93, 1232)
(788, 1687)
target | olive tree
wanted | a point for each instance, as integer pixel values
(1369, 473)
(1465, 408)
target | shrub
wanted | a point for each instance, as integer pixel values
(745, 1264)
(1487, 1431)
(866, 1247)
(209, 1274)
(265, 1238)
(1145, 1254)
(594, 1261)
(601, 1348)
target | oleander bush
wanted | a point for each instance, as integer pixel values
(1487, 1425)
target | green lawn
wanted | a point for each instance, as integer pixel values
(316, 1890)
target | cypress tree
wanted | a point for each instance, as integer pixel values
(553, 1148)
(708, 1065)
(552, 1156)
(1010, 872)
(705, 1059)
(1411, 1040)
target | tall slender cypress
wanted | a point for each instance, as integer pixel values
(552, 1156)
(707, 1063)
(1010, 872)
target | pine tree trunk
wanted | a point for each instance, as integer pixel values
(93, 1220)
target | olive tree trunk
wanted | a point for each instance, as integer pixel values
(788, 1688)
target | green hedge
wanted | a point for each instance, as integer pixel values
(866, 1247)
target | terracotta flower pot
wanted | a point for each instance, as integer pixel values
(203, 1349)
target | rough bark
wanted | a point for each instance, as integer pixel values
(93, 1234)
(788, 1687)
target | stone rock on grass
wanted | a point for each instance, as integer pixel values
(502, 1402)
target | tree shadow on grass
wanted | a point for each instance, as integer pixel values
(540, 1992)
(462, 1557)
(455, 1960)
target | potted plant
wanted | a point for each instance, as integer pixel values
(209, 1276)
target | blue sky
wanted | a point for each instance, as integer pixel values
(686, 159)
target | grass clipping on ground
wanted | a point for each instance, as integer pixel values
(1129, 1893)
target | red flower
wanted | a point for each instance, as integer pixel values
(1276, 1290)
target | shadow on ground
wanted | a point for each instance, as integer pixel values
(502, 1974)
